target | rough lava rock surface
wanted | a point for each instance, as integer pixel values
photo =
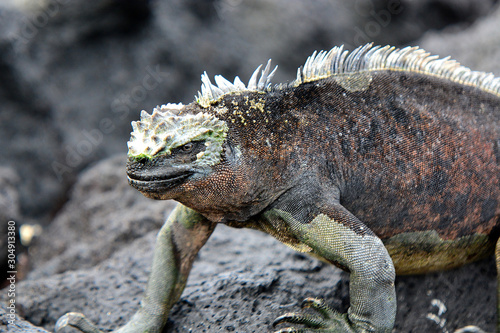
(73, 76)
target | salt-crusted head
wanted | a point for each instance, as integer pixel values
(168, 128)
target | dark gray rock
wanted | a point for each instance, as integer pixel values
(13, 324)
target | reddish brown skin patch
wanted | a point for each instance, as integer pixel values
(416, 153)
(410, 153)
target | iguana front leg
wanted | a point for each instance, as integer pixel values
(334, 234)
(177, 244)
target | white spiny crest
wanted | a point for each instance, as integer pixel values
(165, 129)
(212, 92)
(366, 58)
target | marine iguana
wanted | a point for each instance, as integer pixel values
(381, 161)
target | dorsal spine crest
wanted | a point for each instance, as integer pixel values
(211, 93)
(337, 61)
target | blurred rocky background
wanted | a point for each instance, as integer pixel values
(74, 73)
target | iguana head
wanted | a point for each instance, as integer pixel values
(169, 132)
(174, 145)
(186, 152)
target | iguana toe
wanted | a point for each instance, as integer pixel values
(327, 319)
(296, 330)
(470, 329)
(78, 321)
(319, 305)
(295, 318)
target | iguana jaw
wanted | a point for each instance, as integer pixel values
(157, 183)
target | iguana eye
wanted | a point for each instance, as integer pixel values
(188, 152)
(187, 147)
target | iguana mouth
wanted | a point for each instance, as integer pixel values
(156, 183)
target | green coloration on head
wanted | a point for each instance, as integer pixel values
(167, 128)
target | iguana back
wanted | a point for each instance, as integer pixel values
(415, 156)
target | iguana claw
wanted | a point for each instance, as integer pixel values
(470, 329)
(328, 321)
(294, 330)
(78, 321)
(295, 318)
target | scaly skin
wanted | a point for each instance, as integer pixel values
(385, 162)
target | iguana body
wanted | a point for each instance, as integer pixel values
(382, 161)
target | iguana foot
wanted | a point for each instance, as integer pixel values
(78, 321)
(328, 319)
